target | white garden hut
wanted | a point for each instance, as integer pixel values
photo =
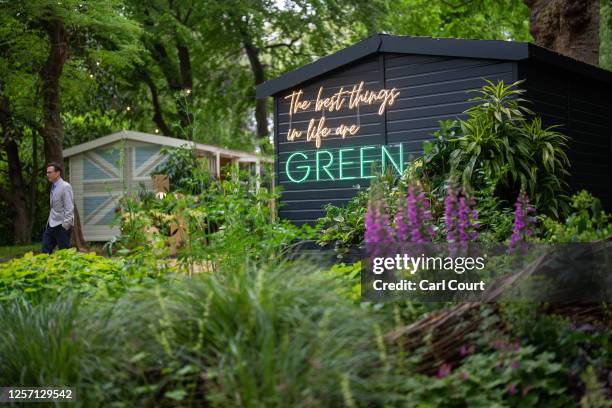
(104, 169)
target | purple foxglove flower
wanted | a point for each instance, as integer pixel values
(523, 221)
(512, 389)
(444, 370)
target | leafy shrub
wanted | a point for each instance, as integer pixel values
(350, 278)
(279, 335)
(498, 378)
(187, 173)
(494, 214)
(36, 277)
(499, 135)
(228, 221)
(61, 343)
(342, 228)
(587, 223)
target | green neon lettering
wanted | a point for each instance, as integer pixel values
(329, 163)
(340, 154)
(362, 160)
(307, 167)
(387, 155)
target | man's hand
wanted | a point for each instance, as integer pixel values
(66, 227)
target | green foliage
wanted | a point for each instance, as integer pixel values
(187, 173)
(227, 222)
(342, 228)
(581, 347)
(500, 139)
(278, 335)
(587, 222)
(605, 34)
(477, 19)
(37, 277)
(13, 251)
(488, 379)
(495, 216)
(350, 278)
(241, 223)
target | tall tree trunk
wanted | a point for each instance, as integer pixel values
(158, 116)
(178, 79)
(569, 27)
(53, 132)
(261, 106)
(187, 85)
(34, 177)
(50, 74)
(22, 225)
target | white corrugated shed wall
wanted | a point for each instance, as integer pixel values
(100, 176)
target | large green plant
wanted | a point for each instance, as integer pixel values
(185, 170)
(587, 222)
(502, 138)
(37, 277)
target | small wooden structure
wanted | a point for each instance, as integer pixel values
(104, 169)
(372, 105)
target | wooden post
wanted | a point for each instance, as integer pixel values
(257, 174)
(218, 171)
(273, 202)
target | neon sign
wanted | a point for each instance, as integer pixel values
(343, 164)
(351, 99)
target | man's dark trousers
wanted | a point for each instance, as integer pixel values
(53, 236)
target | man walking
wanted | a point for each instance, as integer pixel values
(61, 216)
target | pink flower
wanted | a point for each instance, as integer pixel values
(444, 370)
(523, 221)
(413, 221)
(512, 389)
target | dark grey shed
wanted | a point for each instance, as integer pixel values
(433, 77)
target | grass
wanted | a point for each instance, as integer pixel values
(273, 336)
(14, 251)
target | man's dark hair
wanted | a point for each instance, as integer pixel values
(56, 166)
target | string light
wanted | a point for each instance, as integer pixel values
(156, 130)
(128, 109)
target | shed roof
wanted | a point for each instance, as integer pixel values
(488, 49)
(159, 140)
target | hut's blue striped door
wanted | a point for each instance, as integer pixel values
(102, 184)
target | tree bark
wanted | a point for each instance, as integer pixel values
(77, 239)
(178, 79)
(53, 132)
(50, 74)
(22, 224)
(261, 106)
(187, 85)
(569, 27)
(158, 116)
(34, 176)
